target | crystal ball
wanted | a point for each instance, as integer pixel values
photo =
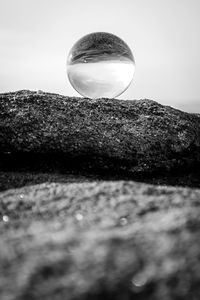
(100, 65)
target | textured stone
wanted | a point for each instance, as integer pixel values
(123, 136)
(85, 233)
(100, 240)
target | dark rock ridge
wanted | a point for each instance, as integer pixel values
(104, 134)
(15, 178)
(109, 240)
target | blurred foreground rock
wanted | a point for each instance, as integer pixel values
(109, 240)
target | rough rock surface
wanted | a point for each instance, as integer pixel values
(108, 240)
(88, 231)
(104, 134)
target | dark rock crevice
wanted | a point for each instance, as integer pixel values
(40, 167)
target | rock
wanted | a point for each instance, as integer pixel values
(19, 178)
(89, 232)
(101, 135)
(100, 240)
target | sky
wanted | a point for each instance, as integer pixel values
(164, 36)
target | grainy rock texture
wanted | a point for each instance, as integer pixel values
(110, 240)
(86, 231)
(104, 134)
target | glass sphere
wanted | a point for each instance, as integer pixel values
(100, 65)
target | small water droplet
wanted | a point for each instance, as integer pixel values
(5, 218)
(123, 221)
(79, 217)
(139, 281)
(57, 226)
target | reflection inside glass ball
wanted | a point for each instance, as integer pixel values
(100, 65)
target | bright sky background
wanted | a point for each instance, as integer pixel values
(164, 35)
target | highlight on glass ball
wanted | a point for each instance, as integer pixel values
(100, 65)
